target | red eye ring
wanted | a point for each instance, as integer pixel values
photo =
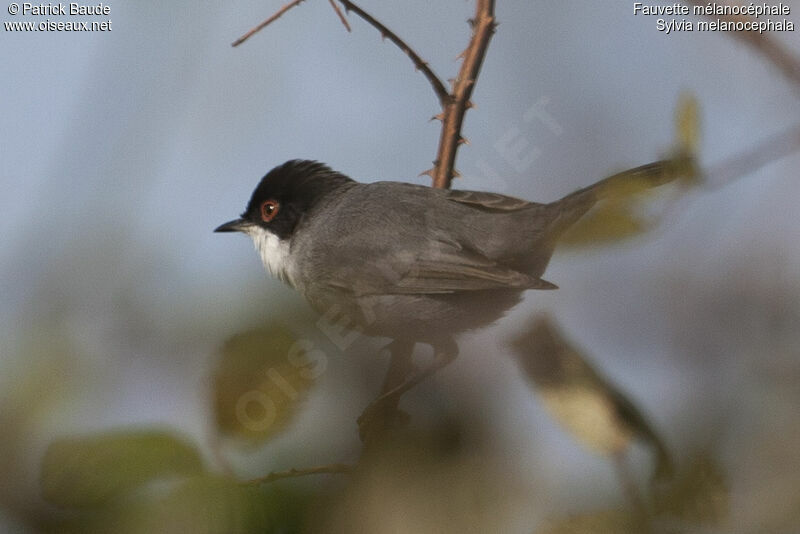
(269, 209)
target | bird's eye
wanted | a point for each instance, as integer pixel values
(269, 209)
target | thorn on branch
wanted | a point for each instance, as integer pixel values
(482, 24)
(438, 87)
(340, 15)
(266, 22)
(463, 140)
(437, 117)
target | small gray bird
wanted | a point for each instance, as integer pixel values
(410, 262)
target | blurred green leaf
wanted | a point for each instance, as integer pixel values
(211, 505)
(615, 217)
(608, 222)
(687, 139)
(600, 522)
(262, 378)
(687, 124)
(90, 471)
(586, 403)
(205, 504)
(699, 493)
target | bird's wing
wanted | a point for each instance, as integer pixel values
(429, 277)
(488, 201)
(444, 267)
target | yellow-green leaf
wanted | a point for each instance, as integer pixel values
(262, 377)
(207, 505)
(606, 223)
(92, 470)
(687, 124)
(700, 493)
(599, 522)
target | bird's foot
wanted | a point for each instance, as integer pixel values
(381, 416)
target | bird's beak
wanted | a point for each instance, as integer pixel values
(236, 225)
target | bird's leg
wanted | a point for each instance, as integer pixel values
(376, 419)
(386, 403)
(400, 365)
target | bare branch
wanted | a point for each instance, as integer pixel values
(772, 149)
(266, 22)
(436, 83)
(775, 52)
(341, 15)
(483, 26)
(293, 473)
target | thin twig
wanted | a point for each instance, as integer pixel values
(772, 149)
(771, 49)
(293, 473)
(266, 22)
(438, 87)
(341, 15)
(483, 28)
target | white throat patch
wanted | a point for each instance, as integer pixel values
(274, 253)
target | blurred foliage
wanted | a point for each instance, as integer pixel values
(90, 471)
(212, 504)
(38, 376)
(601, 522)
(596, 412)
(699, 495)
(203, 504)
(261, 379)
(146, 481)
(619, 216)
(152, 480)
(687, 124)
(697, 499)
(608, 222)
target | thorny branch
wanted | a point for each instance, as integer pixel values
(483, 26)
(770, 150)
(421, 65)
(340, 15)
(771, 49)
(454, 104)
(275, 16)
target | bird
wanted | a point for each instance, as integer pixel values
(408, 262)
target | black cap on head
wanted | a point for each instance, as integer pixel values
(284, 194)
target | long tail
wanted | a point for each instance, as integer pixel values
(573, 206)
